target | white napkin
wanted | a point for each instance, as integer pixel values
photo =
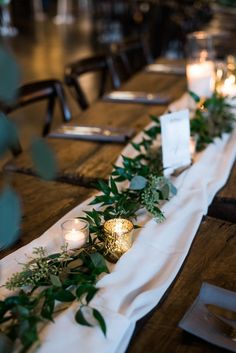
(141, 277)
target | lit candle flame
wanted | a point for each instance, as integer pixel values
(118, 229)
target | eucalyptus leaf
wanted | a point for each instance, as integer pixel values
(64, 295)
(28, 332)
(195, 97)
(97, 315)
(165, 190)
(88, 289)
(138, 182)
(79, 317)
(10, 77)
(8, 134)
(98, 262)
(10, 217)
(113, 186)
(103, 187)
(44, 160)
(48, 308)
(55, 280)
(173, 189)
(21, 310)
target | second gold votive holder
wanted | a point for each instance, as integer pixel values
(118, 238)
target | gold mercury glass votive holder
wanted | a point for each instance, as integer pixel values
(118, 238)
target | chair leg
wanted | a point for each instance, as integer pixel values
(126, 64)
(116, 81)
(66, 114)
(80, 96)
(103, 83)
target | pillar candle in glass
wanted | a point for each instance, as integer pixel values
(75, 233)
(200, 68)
(118, 237)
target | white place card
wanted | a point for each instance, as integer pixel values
(175, 136)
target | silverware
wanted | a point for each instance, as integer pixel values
(166, 69)
(221, 325)
(219, 311)
(93, 133)
(136, 97)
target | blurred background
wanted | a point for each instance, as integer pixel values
(51, 33)
(46, 35)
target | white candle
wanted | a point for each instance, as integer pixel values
(75, 232)
(201, 78)
(75, 239)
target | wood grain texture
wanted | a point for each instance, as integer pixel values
(43, 204)
(83, 162)
(211, 259)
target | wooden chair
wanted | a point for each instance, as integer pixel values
(49, 90)
(133, 53)
(95, 64)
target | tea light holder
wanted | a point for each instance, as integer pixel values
(75, 233)
(118, 238)
(200, 68)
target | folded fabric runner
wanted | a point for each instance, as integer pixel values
(139, 279)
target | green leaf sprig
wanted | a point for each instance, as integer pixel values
(212, 118)
(64, 277)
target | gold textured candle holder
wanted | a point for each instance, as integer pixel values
(118, 238)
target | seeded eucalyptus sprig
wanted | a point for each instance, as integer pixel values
(64, 277)
(212, 118)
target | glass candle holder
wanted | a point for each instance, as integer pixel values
(200, 68)
(118, 237)
(75, 233)
(226, 78)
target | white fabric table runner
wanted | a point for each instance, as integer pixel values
(140, 278)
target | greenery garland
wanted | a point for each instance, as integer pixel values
(212, 118)
(72, 275)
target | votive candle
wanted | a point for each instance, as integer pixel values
(75, 233)
(201, 78)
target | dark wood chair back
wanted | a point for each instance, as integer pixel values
(98, 63)
(133, 53)
(50, 90)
